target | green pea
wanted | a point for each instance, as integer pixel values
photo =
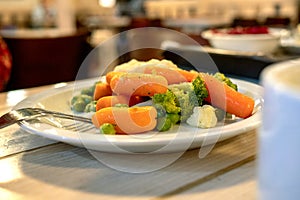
(79, 106)
(90, 107)
(107, 129)
(220, 114)
(74, 99)
(164, 124)
(87, 99)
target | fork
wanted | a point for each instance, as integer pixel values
(28, 114)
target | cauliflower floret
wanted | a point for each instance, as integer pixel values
(203, 117)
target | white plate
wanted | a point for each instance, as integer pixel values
(250, 43)
(181, 139)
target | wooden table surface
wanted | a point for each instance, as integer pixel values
(34, 167)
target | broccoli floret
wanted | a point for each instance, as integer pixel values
(200, 90)
(167, 101)
(107, 129)
(186, 98)
(167, 109)
(223, 78)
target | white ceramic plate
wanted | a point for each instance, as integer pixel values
(180, 138)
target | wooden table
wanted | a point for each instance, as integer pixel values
(33, 167)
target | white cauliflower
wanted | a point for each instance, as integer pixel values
(203, 117)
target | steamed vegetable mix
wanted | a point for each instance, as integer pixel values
(176, 96)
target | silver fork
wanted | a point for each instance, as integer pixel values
(29, 114)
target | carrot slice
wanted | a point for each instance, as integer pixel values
(101, 90)
(226, 98)
(131, 120)
(138, 84)
(111, 74)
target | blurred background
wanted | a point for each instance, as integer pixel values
(49, 39)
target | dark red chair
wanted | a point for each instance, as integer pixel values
(45, 60)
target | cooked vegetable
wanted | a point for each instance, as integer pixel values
(167, 101)
(102, 89)
(200, 90)
(172, 75)
(203, 117)
(131, 120)
(221, 77)
(107, 129)
(226, 98)
(189, 75)
(111, 74)
(185, 99)
(164, 124)
(90, 107)
(79, 102)
(165, 121)
(137, 84)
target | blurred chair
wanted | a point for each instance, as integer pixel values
(46, 60)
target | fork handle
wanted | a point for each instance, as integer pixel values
(5, 122)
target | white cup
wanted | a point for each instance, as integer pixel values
(279, 135)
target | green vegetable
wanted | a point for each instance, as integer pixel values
(220, 114)
(90, 107)
(200, 90)
(223, 78)
(79, 102)
(78, 105)
(175, 118)
(107, 129)
(186, 99)
(167, 101)
(164, 124)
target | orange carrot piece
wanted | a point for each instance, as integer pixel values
(172, 76)
(109, 101)
(188, 75)
(138, 84)
(111, 74)
(101, 90)
(226, 98)
(131, 120)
